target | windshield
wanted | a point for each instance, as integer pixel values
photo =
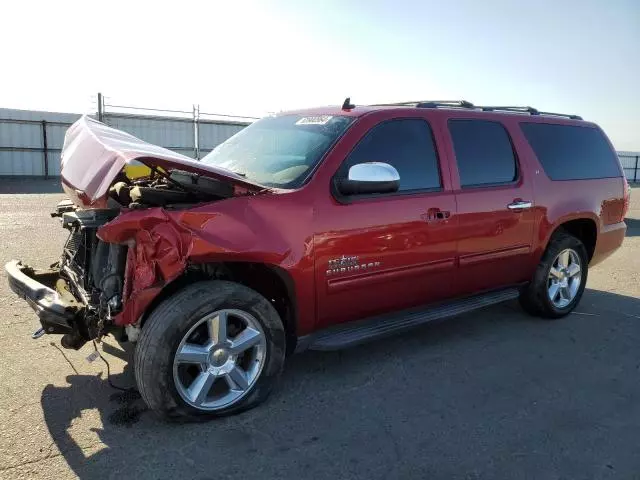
(279, 151)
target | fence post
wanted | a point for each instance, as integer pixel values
(45, 148)
(100, 107)
(196, 132)
(635, 171)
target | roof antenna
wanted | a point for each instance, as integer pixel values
(347, 105)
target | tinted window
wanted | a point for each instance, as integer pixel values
(568, 152)
(483, 152)
(406, 144)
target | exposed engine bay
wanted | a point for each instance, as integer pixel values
(163, 189)
(93, 271)
(90, 270)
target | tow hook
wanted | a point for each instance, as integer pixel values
(72, 341)
(38, 333)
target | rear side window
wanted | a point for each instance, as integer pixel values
(407, 144)
(484, 153)
(568, 152)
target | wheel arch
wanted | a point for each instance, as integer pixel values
(586, 230)
(584, 227)
(271, 281)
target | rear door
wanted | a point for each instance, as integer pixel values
(384, 252)
(494, 196)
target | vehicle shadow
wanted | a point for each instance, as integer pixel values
(29, 185)
(633, 227)
(487, 394)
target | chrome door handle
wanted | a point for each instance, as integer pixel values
(520, 205)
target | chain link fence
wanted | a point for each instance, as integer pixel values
(631, 164)
(192, 133)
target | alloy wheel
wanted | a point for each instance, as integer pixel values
(564, 278)
(219, 359)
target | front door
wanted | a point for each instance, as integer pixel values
(381, 253)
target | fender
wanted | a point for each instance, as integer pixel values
(244, 229)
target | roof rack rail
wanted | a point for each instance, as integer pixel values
(428, 104)
(469, 105)
(529, 110)
(572, 117)
(445, 103)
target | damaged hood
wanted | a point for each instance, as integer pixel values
(94, 154)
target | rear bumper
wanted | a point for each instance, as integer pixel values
(56, 314)
(609, 240)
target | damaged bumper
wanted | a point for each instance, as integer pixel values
(41, 290)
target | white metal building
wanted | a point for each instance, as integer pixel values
(31, 141)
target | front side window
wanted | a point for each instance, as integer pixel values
(279, 151)
(484, 153)
(407, 145)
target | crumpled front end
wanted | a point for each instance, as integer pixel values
(76, 295)
(129, 236)
(158, 248)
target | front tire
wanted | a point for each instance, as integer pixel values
(559, 281)
(214, 348)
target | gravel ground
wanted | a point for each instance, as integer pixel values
(495, 394)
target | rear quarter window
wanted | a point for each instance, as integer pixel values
(568, 152)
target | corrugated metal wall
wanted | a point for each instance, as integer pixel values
(174, 134)
(22, 140)
(213, 134)
(21, 162)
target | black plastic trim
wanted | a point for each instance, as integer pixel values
(381, 326)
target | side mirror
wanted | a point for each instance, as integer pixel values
(371, 177)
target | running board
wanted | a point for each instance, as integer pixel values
(361, 331)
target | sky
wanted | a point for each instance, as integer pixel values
(253, 57)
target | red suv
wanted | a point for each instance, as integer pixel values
(319, 229)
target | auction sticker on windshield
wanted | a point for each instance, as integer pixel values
(315, 120)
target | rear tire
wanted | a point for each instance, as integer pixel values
(214, 348)
(559, 281)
